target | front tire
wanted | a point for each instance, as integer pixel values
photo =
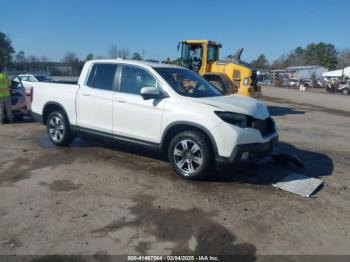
(58, 129)
(217, 82)
(190, 155)
(345, 91)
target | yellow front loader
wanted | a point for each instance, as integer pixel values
(231, 75)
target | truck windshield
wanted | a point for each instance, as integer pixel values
(188, 83)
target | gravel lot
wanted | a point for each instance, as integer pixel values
(101, 198)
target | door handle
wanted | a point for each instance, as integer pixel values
(85, 93)
(120, 100)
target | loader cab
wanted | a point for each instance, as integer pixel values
(198, 55)
(230, 75)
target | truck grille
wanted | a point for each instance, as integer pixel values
(266, 127)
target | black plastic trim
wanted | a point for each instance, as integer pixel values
(56, 104)
(205, 130)
(37, 117)
(104, 135)
(74, 129)
(260, 149)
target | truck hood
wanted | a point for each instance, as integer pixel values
(237, 104)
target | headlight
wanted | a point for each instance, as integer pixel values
(236, 119)
(246, 81)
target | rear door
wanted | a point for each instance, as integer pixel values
(134, 117)
(95, 99)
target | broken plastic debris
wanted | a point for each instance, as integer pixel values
(299, 184)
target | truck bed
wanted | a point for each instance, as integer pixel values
(56, 93)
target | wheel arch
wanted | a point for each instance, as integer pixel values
(50, 107)
(180, 126)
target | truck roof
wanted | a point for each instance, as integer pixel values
(134, 62)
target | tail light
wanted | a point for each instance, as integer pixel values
(31, 94)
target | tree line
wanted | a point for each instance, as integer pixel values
(20, 62)
(323, 54)
(23, 63)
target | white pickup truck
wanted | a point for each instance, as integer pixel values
(158, 105)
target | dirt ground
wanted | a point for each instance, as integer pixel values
(101, 198)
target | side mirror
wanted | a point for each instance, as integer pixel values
(150, 93)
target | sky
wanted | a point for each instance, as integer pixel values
(52, 28)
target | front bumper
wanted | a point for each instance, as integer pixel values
(246, 153)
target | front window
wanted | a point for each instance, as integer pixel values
(191, 56)
(188, 83)
(134, 79)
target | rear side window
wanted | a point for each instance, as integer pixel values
(102, 76)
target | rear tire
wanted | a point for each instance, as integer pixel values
(345, 91)
(191, 156)
(58, 129)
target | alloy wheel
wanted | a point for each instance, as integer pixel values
(188, 156)
(56, 128)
